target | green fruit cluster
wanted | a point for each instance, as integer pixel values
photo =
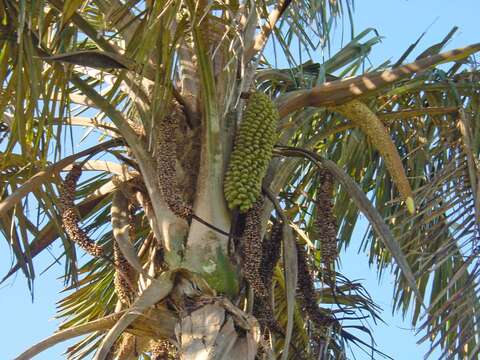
(251, 153)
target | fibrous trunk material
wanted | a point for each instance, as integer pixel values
(125, 347)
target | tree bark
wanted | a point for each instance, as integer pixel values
(210, 333)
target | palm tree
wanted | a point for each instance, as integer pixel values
(220, 187)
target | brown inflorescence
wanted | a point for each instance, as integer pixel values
(123, 277)
(306, 289)
(262, 309)
(131, 221)
(252, 249)
(166, 166)
(325, 223)
(70, 217)
(188, 152)
(271, 247)
(263, 312)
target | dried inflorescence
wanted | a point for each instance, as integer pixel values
(271, 247)
(263, 312)
(252, 249)
(70, 217)
(188, 152)
(262, 309)
(251, 153)
(166, 165)
(306, 289)
(123, 278)
(325, 223)
(164, 350)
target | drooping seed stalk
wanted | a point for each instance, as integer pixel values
(70, 216)
(306, 288)
(124, 273)
(166, 166)
(262, 309)
(325, 223)
(252, 249)
(271, 247)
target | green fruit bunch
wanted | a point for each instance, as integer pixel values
(251, 153)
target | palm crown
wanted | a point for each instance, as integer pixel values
(165, 88)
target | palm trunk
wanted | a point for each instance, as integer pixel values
(211, 332)
(210, 326)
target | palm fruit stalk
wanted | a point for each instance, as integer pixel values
(271, 247)
(363, 117)
(325, 223)
(263, 312)
(252, 152)
(166, 169)
(307, 294)
(123, 277)
(69, 214)
(262, 309)
(252, 249)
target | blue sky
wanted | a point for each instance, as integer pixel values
(400, 22)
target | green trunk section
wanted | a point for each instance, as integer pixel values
(224, 277)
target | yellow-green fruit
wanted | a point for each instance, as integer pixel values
(360, 114)
(251, 153)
